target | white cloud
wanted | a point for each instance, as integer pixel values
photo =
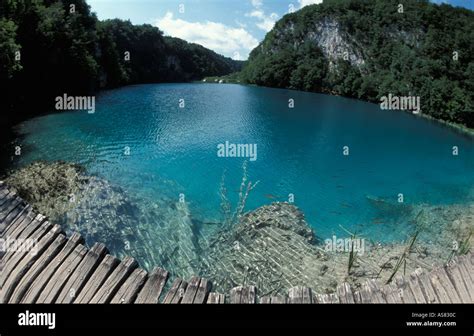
(265, 22)
(213, 35)
(309, 2)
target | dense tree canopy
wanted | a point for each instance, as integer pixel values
(409, 53)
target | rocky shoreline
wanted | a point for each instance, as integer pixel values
(271, 247)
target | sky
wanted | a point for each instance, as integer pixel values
(229, 27)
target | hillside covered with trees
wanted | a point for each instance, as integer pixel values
(367, 49)
(51, 47)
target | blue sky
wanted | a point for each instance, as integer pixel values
(230, 27)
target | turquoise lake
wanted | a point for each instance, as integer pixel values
(173, 150)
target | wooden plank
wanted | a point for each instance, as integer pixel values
(438, 287)
(466, 272)
(118, 276)
(27, 262)
(203, 291)
(99, 276)
(295, 294)
(42, 280)
(20, 224)
(392, 293)
(279, 299)
(236, 295)
(307, 295)
(371, 293)
(129, 290)
(325, 298)
(152, 289)
(405, 291)
(415, 288)
(180, 292)
(58, 280)
(425, 285)
(172, 291)
(27, 232)
(12, 258)
(459, 282)
(345, 294)
(83, 272)
(448, 285)
(216, 298)
(17, 201)
(9, 198)
(14, 214)
(265, 299)
(248, 295)
(37, 268)
(191, 290)
(443, 293)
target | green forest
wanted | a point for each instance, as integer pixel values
(426, 50)
(51, 47)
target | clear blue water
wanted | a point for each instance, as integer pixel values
(173, 150)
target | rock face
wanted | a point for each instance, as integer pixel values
(335, 43)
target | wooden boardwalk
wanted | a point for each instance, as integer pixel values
(64, 270)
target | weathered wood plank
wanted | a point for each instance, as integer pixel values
(130, 288)
(415, 288)
(392, 293)
(404, 289)
(344, 292)
(265, 299)
(20, 223)
(448, 285)
(425, 285)
(172, 291)
(307, 295)
(37, 268)
(105, 268)
(118, 276)
(12, 258)
(325, 298)
(9, 198)
(83, 272)
(152, 289)
(180, 292)
(466, 270)
(27, 233)
(26, 262)
(236, 295)
(58, 280)
(17, 201)
(248, 295)
(371, 293)
(42, 280)
(203, 291)
(191, 290)
(14, 214)
(459, 282)
(279, 299)
(216, 298)
(438, 287)
(295, 294)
